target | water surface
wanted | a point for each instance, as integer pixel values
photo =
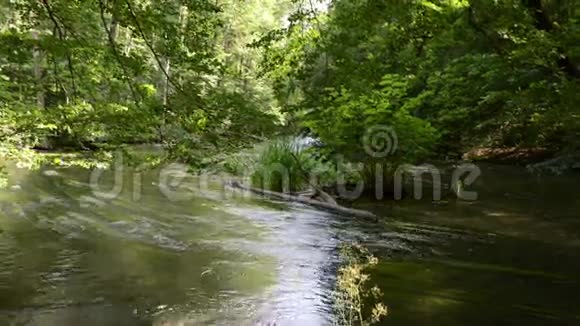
(70, 256)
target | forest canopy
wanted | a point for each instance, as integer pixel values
(76, 74)
(447, 75)
(204, 76)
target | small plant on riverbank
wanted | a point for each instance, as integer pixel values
(356, 299)
(282, 166)
(286, 165)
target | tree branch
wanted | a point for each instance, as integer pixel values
(116, 53)
(155, 55)
(62, 37)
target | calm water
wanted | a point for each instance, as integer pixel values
(69, 256)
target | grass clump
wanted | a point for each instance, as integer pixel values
(282, 166)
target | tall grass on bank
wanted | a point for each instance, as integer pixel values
(282, 166)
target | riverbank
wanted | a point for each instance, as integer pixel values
(510, 156)
(534, 157)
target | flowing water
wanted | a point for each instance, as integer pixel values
(163, 252)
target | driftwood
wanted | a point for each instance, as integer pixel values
(304, 200)
(317, 190)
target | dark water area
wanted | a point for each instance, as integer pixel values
(161, 252)
(510, 258)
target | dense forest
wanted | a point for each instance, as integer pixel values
(446, 75)
(202, 77)
(82, 74)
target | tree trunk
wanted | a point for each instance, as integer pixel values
(38, 58)
(316, 203)
(114, 30)
(165, 86)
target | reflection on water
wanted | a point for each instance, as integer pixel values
(71, 258)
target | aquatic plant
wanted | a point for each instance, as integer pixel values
(356, 299)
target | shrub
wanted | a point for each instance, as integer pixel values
(282, 166)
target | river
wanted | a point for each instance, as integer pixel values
(167, 251)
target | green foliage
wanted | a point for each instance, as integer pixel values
(207, 77)
(348, 117)
(282, 166)
(87, 74)
(446, 75)
(239, 164)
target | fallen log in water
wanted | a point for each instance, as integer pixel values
(303, 200)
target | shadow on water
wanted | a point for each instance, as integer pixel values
(72, 258)
(510, 258)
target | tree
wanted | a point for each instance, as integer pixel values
(476, 73)
(80, 74)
